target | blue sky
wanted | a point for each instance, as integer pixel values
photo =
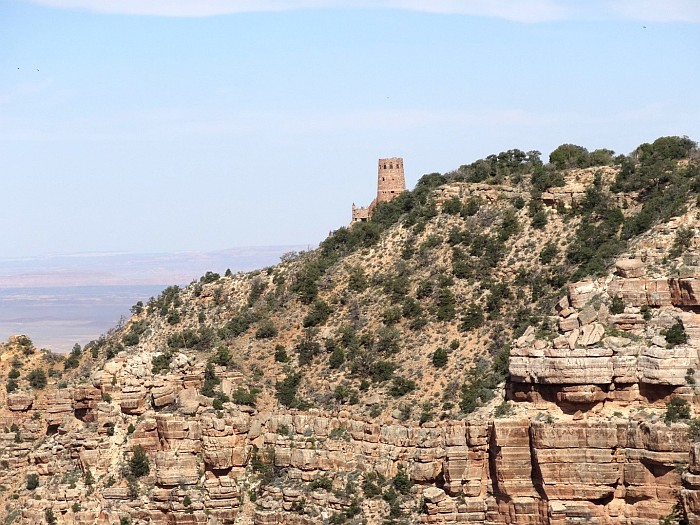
(196, 125)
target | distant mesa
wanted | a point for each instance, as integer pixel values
(390, 184)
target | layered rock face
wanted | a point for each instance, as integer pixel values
(597, 362)
(583, 443)
(535, 470)
(597, 356)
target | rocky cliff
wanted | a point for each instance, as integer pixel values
(473, 355)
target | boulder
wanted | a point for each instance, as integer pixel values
(629, 268)
(188, 401)
(684, 292)
(19, 402)
(591, 334)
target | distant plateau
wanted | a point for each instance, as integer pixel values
(65, 299)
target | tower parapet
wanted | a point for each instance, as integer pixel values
(390, 184)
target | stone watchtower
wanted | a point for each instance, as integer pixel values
(390, 184)
(390, 180)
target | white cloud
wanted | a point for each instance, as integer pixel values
(530, 11)
(655, 11)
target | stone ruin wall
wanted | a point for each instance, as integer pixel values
(360, 214)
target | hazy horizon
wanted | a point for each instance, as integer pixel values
(61, 300)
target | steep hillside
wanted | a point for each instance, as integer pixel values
(510, 342)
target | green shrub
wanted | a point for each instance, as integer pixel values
(281, 354)
(49, 516)
(209, 277)
(344, 394)
(471, 206)
(418, 323)
(304, 284)
(11, 385)
(222, 357)
(219, 399)
(37, 378)
(286, 390)
(161, 362)
(694, 429)
(675, 335)
(690, 376)
(391, 316)
(388, 340)
(617, 306)
(509, 225)
(200, 339)
(681, 242)
(243, 396)
(370, 486)
(357, 280)
(266, 330)
(257, 287)
(337, 358)
(401, 386)
(130, 339)
(236, 326)
(401, 482)
(73, 358)
(173, 317)
(425, 289)
(410, 308)
(440, 358)
(677, 409)
(318, 315)
(396, 287)
(452, 206)
(472, 318)
(462, 269)
(542, 179)
(548, 253)
(503, 410)
(210, 381)
(445, 305)
(307, 348)
(139, 464)
(539, 220)
(482, 380)
(569, 156)
(32, 481)
(380, 371)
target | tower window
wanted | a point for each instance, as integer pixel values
(391, 166)
(384, 166)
